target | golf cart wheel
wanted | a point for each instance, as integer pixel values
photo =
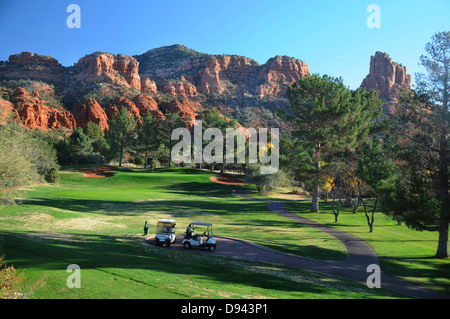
(212, 248)
(156, 243)
(187, 245)
(168, 243)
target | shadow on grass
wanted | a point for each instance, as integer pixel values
(436, 271)
(107, 254)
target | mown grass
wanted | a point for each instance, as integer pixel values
(403, 252)
(98, 224)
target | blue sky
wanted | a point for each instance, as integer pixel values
(331, 36)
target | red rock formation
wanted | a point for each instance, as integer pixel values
(34, 114)
(27, 65)
(222, 72)
(146, 103)
(210, 81)
(128, 104)
(283, 70)
(30, 58)
(179, 89)
(271, 89)
(106, 67)
(112, 111)
(388, 78)
(90, 111)
(185, 108)
(6, 108)
(148, 86)
(128, 67)
(102, 76)
(224, 68)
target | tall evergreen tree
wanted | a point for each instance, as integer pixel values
(172, 121)
(328, 118)
(374, 171)
(420, 144)
(148, 136)
(214, 119)
(121, 132)
(79, 145)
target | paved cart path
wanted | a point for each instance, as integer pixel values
(359, 255)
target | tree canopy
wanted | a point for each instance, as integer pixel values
(327, 119)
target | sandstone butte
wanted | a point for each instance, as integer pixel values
(106, 67)
(388, 78)
(181, 87)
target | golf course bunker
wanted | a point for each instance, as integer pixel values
(227, 180)
(99, 172)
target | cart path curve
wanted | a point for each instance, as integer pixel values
(359, 255)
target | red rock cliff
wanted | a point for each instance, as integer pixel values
(90, 111)
(388, 78)
(106, 67)
(34, 114)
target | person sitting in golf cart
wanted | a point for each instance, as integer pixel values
(189, 232)
(192, 239)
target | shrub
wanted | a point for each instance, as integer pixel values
(12, 283)
(138, 160)
(52, 176)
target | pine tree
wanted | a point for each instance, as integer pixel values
(172, 121)
(148, 138)
(420, 144)
(79, 145)
(328, 118)
(120, 133)
(214, 119)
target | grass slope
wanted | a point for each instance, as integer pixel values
(98, 224)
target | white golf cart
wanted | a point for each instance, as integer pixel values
(194, 239)
(165, 232)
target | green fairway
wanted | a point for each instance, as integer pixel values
(402, 252)
(98, 225)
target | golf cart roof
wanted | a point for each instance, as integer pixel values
(201, 223)
(170, 221)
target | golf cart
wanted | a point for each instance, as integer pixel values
(165, 232)
(206, 239)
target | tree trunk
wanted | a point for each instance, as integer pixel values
(336, 208)
(316, 188)
(121, 154)
(355, 205)
(315, 200)
(336, 213)
(348, 201)
(370, 219)
(222, 167)
(146, 158)
(442, 251)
